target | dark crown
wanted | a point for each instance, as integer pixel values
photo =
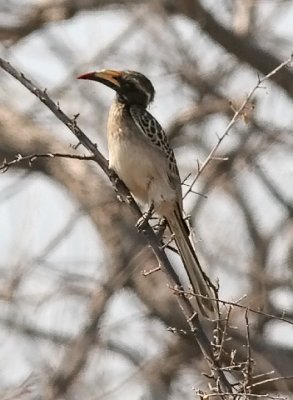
(135, 88)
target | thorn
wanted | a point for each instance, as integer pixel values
(151, 271)
(75, 146)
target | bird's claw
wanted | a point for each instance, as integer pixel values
(144, 219)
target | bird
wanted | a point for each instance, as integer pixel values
(140, 154)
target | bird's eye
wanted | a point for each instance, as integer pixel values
(128, 85)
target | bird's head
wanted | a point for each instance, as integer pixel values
(132, 87)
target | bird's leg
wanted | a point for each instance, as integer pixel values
(160, 228)
(144, 219)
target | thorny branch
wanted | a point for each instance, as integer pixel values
(248, 371)
(33, 157)
(237, 114)
(236, 304)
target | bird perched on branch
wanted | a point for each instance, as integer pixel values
(140, 154)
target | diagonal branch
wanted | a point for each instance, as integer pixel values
(233, 121)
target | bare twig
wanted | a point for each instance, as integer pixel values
(236, 115)
(235, 304)
(243, 396)
(221, 336)
(33, 157)
(249, 362)
(278, 378)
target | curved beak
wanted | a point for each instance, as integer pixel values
(108, 77)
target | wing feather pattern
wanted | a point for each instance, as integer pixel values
(153, 131)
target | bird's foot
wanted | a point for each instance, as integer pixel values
(144, 219)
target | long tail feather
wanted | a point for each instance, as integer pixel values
(198, 279)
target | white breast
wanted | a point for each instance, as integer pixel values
(142, 168)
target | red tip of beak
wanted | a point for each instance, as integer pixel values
(88, 75)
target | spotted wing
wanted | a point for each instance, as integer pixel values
(153, 131)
